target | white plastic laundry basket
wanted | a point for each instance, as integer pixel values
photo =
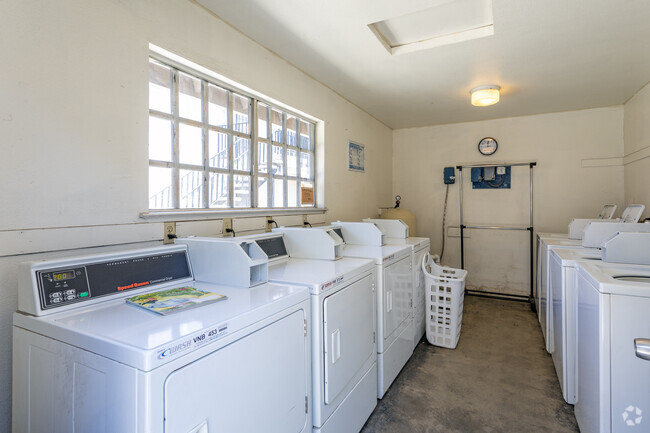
(444, 291)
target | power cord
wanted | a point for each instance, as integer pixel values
(272, 222)
(231, 231)
(444, 217)
(306, 223)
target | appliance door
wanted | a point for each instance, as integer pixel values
(630, 375)
(592, 407)
(258, 383)
(419, 324)
(556, 303)
(543, 293)
(397, 293)
(348, 334)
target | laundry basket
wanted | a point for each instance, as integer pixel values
(444, 291)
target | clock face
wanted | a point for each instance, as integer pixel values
(487, 146)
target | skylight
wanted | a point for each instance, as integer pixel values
(451, 22)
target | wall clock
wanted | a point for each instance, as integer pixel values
(487, 146)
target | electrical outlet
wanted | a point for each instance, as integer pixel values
(267, 225)
(169, 232)
(227, 224)
(305, 220)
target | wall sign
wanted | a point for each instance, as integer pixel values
(356, 157)
(306, 195)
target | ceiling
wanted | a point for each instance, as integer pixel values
(547, 55)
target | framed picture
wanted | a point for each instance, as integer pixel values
(356, 157)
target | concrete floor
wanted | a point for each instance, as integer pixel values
(498, 379)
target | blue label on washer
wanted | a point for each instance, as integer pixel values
(194, 341)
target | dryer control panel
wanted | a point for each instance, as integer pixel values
(72, 283)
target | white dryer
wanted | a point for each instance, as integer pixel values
(613, 356)
(86, 361)
(394, 291)
(344, 360)
(563, 313)
(397, 233)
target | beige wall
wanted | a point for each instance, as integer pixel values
(637, 149)
(73, 122)
(579, 168)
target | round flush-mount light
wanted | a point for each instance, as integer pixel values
(482, 96)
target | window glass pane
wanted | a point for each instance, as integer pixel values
(262, 157)
(189, 97)
(241, 154)
(306, 185)
(291, 131)
(160, 85)
(241, 107)
(292, 193)
(160, 188)
(276, 126)
(160, 139)
(278, 193)
(218, 106)
(305, 166)
(262, 192)
(218, 190)
(262, 120)
(305, 134)
(190, 147)
(241, 191)
(190, 189)
(292, 162)
(277, 153)
(218, 150)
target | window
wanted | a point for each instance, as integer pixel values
(207, 149)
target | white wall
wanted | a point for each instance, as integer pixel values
(73, 122)
(637, 149)
(579, 167)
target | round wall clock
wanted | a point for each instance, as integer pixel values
(487, 146)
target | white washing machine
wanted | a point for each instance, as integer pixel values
(394, 291)
(344, 359)
(542, 293)
(563, 313)
(613, 353)
(397, 233)
(86, 361)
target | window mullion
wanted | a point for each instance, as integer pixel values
(231, 128)
(175, 146)
(253, 150)
(206, 144)
(285, 181)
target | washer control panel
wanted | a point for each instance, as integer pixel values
(64, 285)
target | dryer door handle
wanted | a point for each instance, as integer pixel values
(642, 348)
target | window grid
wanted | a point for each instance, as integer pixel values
(198, 186)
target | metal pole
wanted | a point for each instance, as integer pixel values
(462, 227)
(532, 248)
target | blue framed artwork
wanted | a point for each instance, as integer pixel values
(356, 156)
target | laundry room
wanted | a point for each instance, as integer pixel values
(313, 167)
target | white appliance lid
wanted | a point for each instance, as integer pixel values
(319, 275)
(380, 255)
(133, 336)
(618, 279)
(568, 256)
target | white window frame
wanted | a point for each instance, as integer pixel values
(254, 172)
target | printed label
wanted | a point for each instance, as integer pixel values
(194, 341)
(330, 284)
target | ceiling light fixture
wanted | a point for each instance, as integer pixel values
(482, 96)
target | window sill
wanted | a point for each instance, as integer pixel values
(206, 214)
